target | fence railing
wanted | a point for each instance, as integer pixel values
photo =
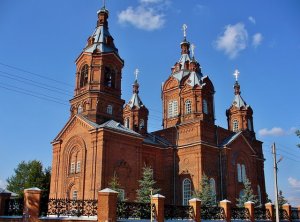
(133, 210)
(240, 213)
(261, 213)
(67, 207)
(212, 213)
(283, 215)
(178, 212)
(295, 214)
(14, 207)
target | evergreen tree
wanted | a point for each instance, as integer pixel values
(115, 185)
(146, 184)
(247, 195)
(29, 174)
(281, 199)
(206, 193)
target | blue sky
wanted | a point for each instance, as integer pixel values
(40, 40)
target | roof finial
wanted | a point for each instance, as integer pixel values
(184, 28)
(136, 73)
(104, 1)
(193, 50)
(236, 74)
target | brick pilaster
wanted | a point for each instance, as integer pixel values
(226, 205)
(32, 198)
(195, 203)
(107, 205)
(159, 202)
(288, 209)
(3, 198)
(250, 206)
(270, 208)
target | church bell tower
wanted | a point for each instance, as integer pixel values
(97, 93)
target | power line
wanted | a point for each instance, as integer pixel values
(35, 74)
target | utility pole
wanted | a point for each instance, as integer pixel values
(275, 182)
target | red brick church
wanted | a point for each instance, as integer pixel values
(104, 136)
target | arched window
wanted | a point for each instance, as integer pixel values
(78, 166)
(235, 125)
(172, 108)
(239, 172)
(142, 124)
(109, 109)
(205, 106)
(109, 76)
(188, 107)
(212, 183)
(186, 191)
(244, 176)
(126, 123)
(80, 109)
(249, 125)
(259, 194)
(84, 75)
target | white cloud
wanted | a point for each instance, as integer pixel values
(251, 19)
(294, 182)
(3, 184)
(142, 18)
(256, 39)
(233, 40)
(150, 1)
(276, 131)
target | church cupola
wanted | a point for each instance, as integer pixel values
(239, 115)
(98, 76)
(135, 114)
(187, 94)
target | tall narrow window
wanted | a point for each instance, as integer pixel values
(249, 125)
(235, 125)
(121, 194)
(188, 107)
(80, 109)
(239, 172)
(72, 168)
(109, 109)
(109, 75)
(78, 167)
(172, 108)
(186, 191)
(142, 124)
(84, 75)
(175, 108)
(75, 195)
(244, 176)
(205, 107)
(212, 183)
(126, 123)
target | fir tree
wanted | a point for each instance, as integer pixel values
(247, 195)
(206, 193)
(146, 184)
(281, 199)
(115, 185)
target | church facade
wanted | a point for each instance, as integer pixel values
(105, 136)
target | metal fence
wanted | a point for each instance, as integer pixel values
(240, 213)
(212, 213)
(178, 212)
(261, 213)
(14, 207)
(134, 210)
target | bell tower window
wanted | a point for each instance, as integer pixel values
(109, 76)
(235, 125)
(172, 109)
(84, 75)
(142, 124)
(249, 125)
(109, 109)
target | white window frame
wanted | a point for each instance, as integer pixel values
(235, 125)
(72, 167)
(172, 109)
(109, 109)
(188, 107)
(75, 195)
(80, 109)
(186, 191)
(142, 124)
(205, 106)
(78, 167)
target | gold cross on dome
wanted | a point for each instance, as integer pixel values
(193, 49)
(136, 73)
(184, 28)
(236, 74)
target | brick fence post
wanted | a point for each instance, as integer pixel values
(107, 205)
(270, 208)
(195, 203)
(288, 209)
(159, 202)
(226, 205)
(250, 206)
(4, 196)
(32, 198)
